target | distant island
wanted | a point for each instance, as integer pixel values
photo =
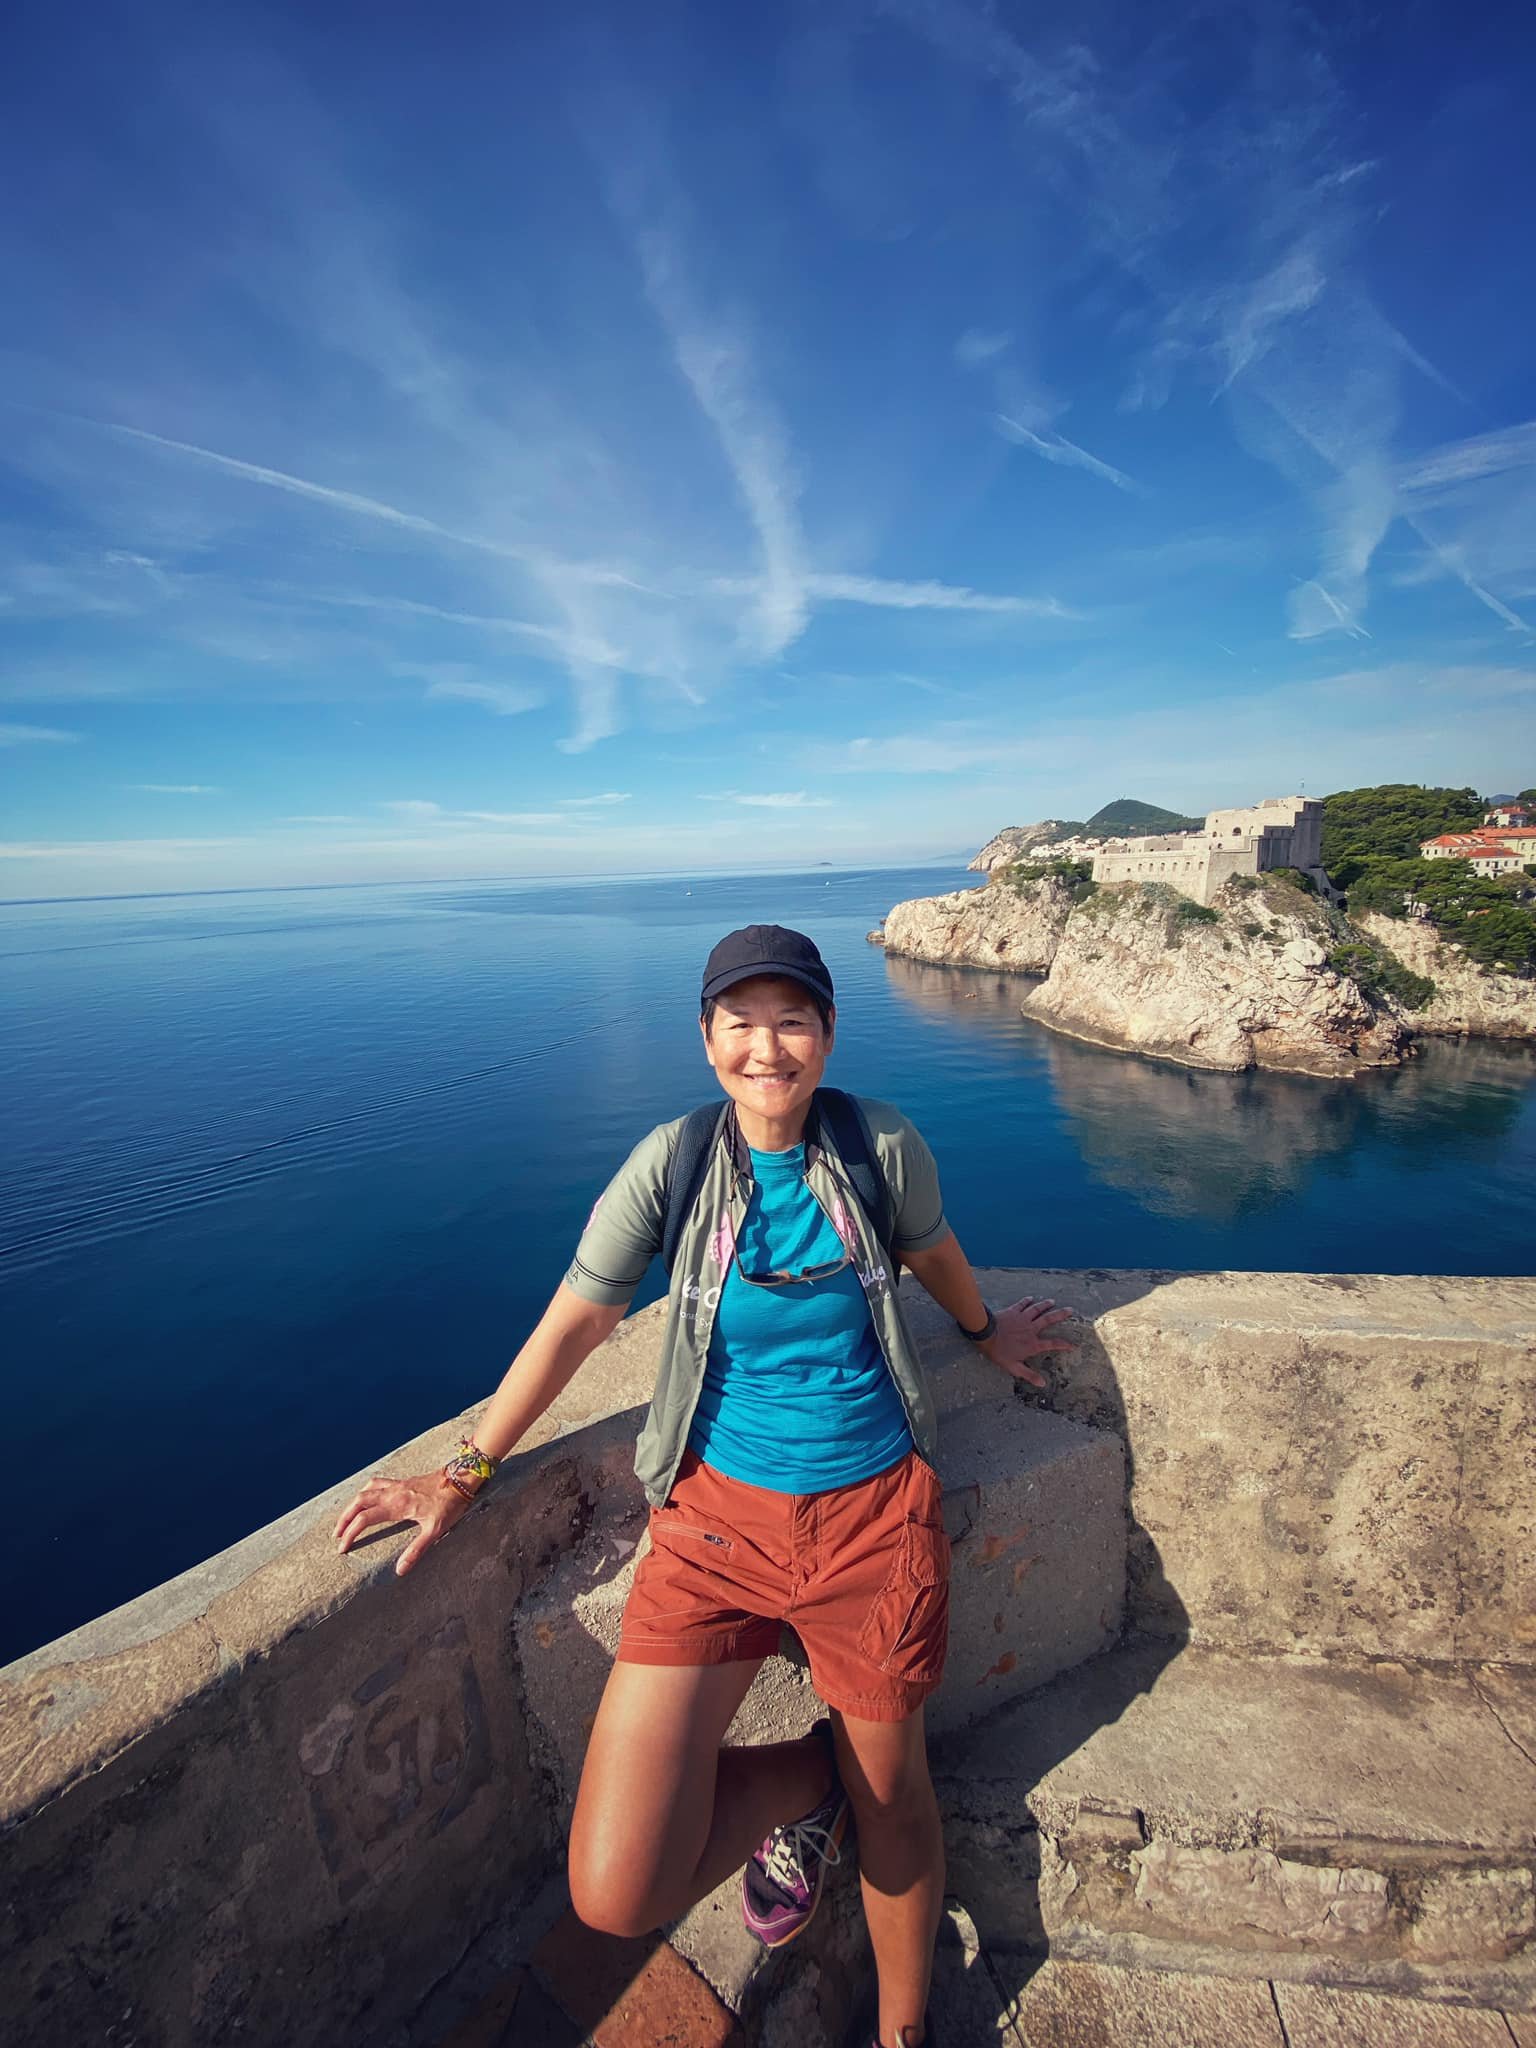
(1320, 936)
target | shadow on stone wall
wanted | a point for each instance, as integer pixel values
(993, 1897)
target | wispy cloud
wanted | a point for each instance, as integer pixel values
(980, 345)
(1432, 476)
(585, 803)
(1054, 447)
(713, 354)
(511, 817)
(177, 788)
(926, 596)
(356, 503)
(29, 735)
(1473, 504)
(505, 699)
(944, 750)
(412, 807)
(773, 800)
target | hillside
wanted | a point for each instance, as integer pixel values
(1125, 818)
(1014, 841)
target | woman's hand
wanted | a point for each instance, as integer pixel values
(1024, 1332)
(384, 1502)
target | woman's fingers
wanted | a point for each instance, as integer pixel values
(423, 1540)
(370, 1516)
(364, 1496)
(381, 1502)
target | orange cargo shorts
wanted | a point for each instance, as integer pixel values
(860, 1573)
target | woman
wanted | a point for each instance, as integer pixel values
(787, 1459)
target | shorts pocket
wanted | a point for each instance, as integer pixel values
(906, 1631)
(689, 1539)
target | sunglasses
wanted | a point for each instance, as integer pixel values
(794, 1279)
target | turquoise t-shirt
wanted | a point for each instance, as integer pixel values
(797, 1395)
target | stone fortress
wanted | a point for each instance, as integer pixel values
(1280, 832)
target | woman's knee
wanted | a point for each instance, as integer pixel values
(888, 1784)
(606, 1895)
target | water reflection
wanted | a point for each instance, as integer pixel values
(1190, 1144)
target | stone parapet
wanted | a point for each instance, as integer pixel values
(284, 1795)
(1327, 1463)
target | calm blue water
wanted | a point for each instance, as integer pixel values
(290, 1174)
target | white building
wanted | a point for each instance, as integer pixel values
(1485, 852)
(1281, 832)
(1481, 850)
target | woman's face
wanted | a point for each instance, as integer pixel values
(767, 1046)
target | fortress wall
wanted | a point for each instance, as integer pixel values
(281, 1796)
(1226, 862)
(1183, 864)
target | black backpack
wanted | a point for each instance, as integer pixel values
(838, 1114)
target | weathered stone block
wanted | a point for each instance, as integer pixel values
(1035, 1508)
(1232, 1895)
(1322, 1463)
(1079, 2005)
(1316, 2017)
(1471, 1911)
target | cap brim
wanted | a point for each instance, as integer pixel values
(766, 970)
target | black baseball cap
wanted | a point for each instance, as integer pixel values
(765, 949)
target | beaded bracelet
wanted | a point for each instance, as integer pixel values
(469, 1462)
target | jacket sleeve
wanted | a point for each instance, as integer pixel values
(912, 1177)
(624, 1231)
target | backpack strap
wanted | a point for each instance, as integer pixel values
(702, 1129)
(838, 1114)
(844, 1121)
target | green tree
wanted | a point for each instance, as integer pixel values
(1491, 917)
(1389, 822)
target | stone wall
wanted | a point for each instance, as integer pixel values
(280, 1798)
(1330, 1463)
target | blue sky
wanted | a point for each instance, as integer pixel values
(598, 437)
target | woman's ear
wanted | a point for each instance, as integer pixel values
(709, 1050)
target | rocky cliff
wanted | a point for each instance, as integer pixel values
(1468, 1002)
(1014, 841)
(1143, 969)
(1014, 926)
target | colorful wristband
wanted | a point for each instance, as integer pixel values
(469, 1468)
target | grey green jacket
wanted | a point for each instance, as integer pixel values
(624, 1233)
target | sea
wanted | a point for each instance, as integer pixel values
(290, 1174)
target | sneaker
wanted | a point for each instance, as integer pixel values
(782, 1884)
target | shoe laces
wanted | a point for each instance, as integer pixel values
(794, 1845)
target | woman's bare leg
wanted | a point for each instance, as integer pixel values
(664, 1813)
(884, 1768)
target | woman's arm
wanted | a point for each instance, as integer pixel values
(569, 1331)
(1023, 1330)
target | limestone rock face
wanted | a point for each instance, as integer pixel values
(1135, 971)
(1013, 928)
(1013, 842)
(1467, 1001)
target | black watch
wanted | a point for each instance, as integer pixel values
(984, 1335)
